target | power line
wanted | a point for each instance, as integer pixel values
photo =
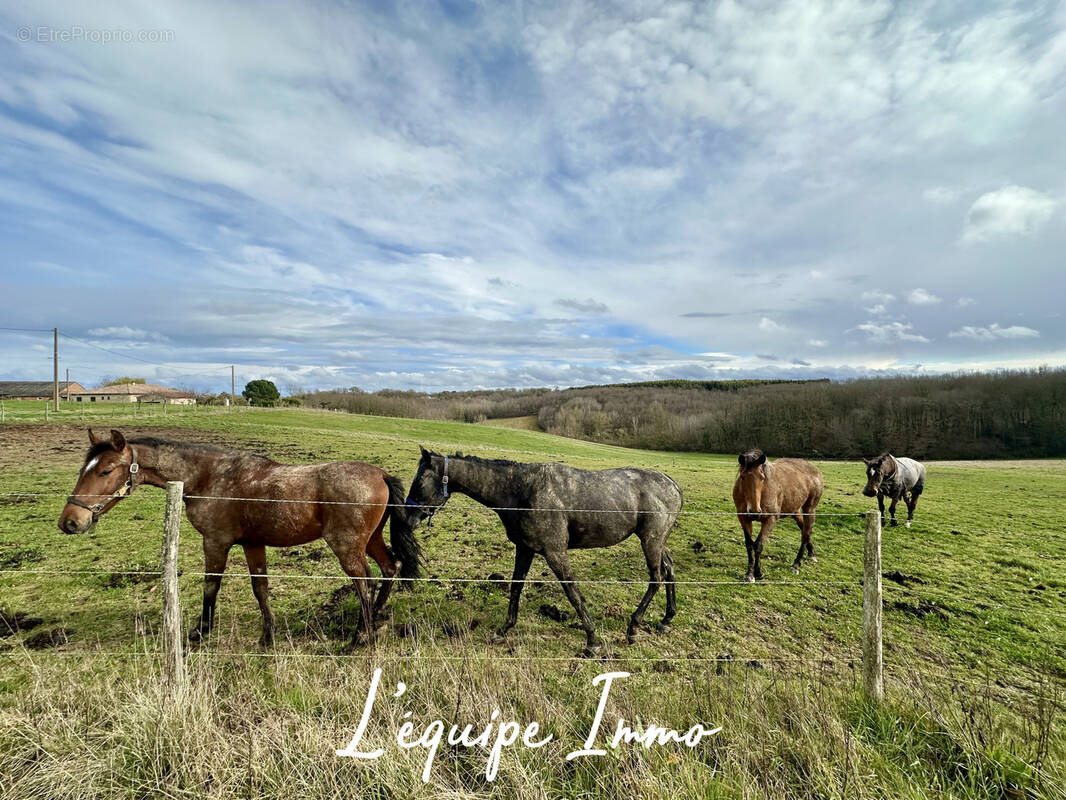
(135, 358)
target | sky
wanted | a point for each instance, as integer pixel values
(465, 195)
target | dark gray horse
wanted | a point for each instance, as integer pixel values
(897, 478)
(552, 508)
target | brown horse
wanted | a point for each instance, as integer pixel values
(347, 503)
(788, 487)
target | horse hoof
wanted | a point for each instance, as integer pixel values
(266, 641)
(749, 578)
(591, 651)
(631, 637)
(662, 627)
(813, 559)
(907, 524)
(795, 569)
(893, 524)
(497, 638)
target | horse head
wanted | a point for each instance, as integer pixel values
(429, 489)
(107, 476)
(877, 469)
(752, 478)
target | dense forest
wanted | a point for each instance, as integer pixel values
(992, 415)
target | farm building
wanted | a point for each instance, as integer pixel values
(134, 393)
(36, 390)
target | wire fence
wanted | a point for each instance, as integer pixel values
(828, 662)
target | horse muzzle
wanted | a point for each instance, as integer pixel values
(71, 525)
(869, 492)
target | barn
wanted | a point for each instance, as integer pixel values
(134, 393)
(37, 390)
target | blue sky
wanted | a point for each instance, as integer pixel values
(462, 195)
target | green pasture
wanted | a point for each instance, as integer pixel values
(975, 622)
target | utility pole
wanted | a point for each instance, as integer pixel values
(55, 369)
(232, 387)
(67, 398)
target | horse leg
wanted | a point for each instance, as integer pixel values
(257, 567)
(913, 503)
(360, 575)
(654, 556)
(803, 543)
(352, 557)
(806, 523)
(881, 507)
(383, 555)
(764, 534)
(523, 557)
(892, 510)
(215, 557)
(671, 592)
(560, 565)
(808, 528)
(749, 543)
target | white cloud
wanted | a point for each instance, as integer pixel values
(994, 332)
(878, 302)
(817, 342)
(767, 325)
(940, 195)
(127, 333)
(920, 297)
(886, 332)
(965, 301)
(878, 296)
(1006, 213)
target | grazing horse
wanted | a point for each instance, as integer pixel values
(347, 503)
(552, 508)
(898, 478)
(766, 491)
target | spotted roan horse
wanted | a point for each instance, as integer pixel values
(552, 508)
(766, 491)
(346, 503)
(896, 478)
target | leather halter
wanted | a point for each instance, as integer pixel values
(96, 509)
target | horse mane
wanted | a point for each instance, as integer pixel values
(156, 441)
(490, 462)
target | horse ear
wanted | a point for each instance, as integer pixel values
(118, 441)
(93, 438)
(425, 453)
(740, 459)
(761, 459)
(866, 461)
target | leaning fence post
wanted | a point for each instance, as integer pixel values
(173, 660)
(872, 658)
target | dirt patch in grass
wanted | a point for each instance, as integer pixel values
(11, 622)
(21, 444)
(15, 557)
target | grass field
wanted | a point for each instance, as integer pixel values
(975, 637)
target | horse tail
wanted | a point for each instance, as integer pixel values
(401, 530)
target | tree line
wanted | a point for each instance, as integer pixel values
(1016, 414)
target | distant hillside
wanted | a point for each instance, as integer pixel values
(710, 386)
(996, 415)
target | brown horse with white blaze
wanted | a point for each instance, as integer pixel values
(346, 503)
(766, 491)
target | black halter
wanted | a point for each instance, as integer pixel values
(123, 491)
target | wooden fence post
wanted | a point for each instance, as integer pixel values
(872, 657)
(173, 660)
